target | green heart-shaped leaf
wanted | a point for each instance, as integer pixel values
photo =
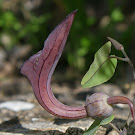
(97, 123)
(102, 68)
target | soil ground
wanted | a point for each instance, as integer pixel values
(36, 121)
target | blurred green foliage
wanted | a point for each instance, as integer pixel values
(94, 21)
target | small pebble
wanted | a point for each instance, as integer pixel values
(17, 106)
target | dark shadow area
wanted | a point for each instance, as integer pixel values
(14, 126)
(59, 121)
(74, 131)
(131, 129)
(81, 96)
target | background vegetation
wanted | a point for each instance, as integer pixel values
(28, 23)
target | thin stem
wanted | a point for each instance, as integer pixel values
(119, 58)
(120, 47)
(124, 132)
(114, 127)
(122, 100)
(129, 62)
(120, 132)
(126, 59)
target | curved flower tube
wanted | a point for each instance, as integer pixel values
(40, 67)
